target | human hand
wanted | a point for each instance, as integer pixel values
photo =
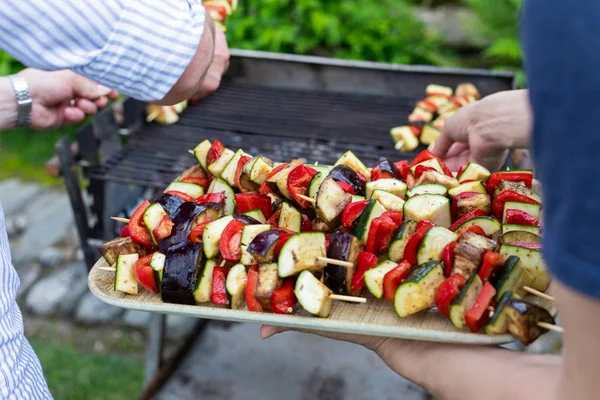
(217, 67)
(52, 92)
(485, 130)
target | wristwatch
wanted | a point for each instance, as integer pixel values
(21, 88)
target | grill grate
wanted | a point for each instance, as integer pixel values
(281, 124)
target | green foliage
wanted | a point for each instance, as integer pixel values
(384, 30)
(8, 65)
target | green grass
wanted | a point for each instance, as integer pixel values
(76, 374)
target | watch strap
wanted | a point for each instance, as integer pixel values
(24, 102)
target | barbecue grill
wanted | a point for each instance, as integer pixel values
(275, 105)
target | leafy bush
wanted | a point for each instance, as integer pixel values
(383, 30)
(8, 65)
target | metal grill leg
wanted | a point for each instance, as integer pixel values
(154, 345)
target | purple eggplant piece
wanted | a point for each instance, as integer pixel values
(179, 275)
(343, 246)
(343, 173)
(522, 318)
(182, 223)
(386, 166)
(263, 242)
(169, 202)
(246, 219)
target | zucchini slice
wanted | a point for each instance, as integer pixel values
(511, 278)
(430, 207)
(191, 189)
(399, 240)
(388, 200)
(374, 277)
(219, 185)
(331, 200)
(248, 234)
(531, 261)
(474, 172)
(523, 228)
(212, 235)
(498, 325)
(201, 151)
(268, 281)
(429, 134)
(157, 263)
(217, 167)
(257, 214)
(373, 210)
(302, 252)
(152, 216)
(323, 169)
(259, 169)
(315, 184)
(290, 218)
(312, 295)
(125, 280)
(519, 236)
(203, 288)
(428, 188)
(417, 292)
(279, 180)
(236, 285)
(433, 163)
(350, 160)
(465, 300)
(404, 138)
(475, 186)
(434, 241)
(433, 90)
(228, 174)
(489, 225)
(391, 185)
(356, 197)
(531, 209)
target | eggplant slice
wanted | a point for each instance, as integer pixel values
(183, 220)
(262, 246)
(179, 274)
(344, 247)
(169, 202)
(111, 250)
(522, 319)
(343, 173)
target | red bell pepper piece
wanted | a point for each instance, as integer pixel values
(415, 129)
(274, 220)
(410, 250)
(420, 169)
(473, 228)
(137, 227)
(251, 201)
(327, 240)
(478, 315)
(466, 217)
(275, 170)
(380, 233)
(403, 168)
(427, 155)
(200, 181)
(461, 169)
(376, 174)
(492, 261)
(306, 224)
(508, 195)
(447, 291)
(218, 295)
(498, 177)
(520, 217)
(218, 198)
(365, 262)
(195, 234)
(125, 231)
(283, 300)
(461, 196)
(251, 287)
(352, 211)
(533, 246)
(394, 278)
(214, 153)
(297, 183)
(395, 216)
(230, 243)
(361, 177)
(282, 239)
(145, 274)
(448, 256)
(163, 229)
(238, 170)
(184, 196)
(346, 187)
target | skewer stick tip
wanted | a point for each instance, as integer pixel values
(538, 293)
(309, 199)
(124, 220)
(191, 152)
(333, 261)
(350, 299)
(152, 116)
(551, 327)
(399, 145)
(109, 269)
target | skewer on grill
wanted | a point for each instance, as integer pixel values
(152, 116)
(124, 220)
(309, 199)
(538, 293)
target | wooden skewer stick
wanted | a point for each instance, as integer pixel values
(109, 269)
(350, 299)
(309, 199)
(399, 145)
(125, 220)
(550, 327)
(191, 152)
(538, 293)
(152, 116)
(333, 261)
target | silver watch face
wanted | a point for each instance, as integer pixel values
(24, 101)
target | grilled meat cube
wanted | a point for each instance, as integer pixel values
(436, 177)
(477, 202)
(110, 250)
(469, 253)
(516, 187)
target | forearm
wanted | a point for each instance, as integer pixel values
(8, 105)
(453, 372)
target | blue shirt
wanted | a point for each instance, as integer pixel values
(562, 57)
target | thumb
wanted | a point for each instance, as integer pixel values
(455, 130)
(83, 87)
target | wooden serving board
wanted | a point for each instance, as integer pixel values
(376, 317)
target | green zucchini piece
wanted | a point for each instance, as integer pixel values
(465, 300)
(511, 278)
(391, 185)
(191, 189)
(290, 218)
(388, 200)
(498, 325)
(219, 185)
(476, 186)
(302, 251)
(157, 263)
(236, 285)
(374, 277)
(434, 241)
(474, 172)
(152, 216)
(314, 185)
(217, 167)
(428, 188)
(399, 240)
(212, 235)
(228, 174)
(529, 208)
(259, 170)
(248, 234)
(489, 225)
(203, 287)
(429, 207)
(350, 160)
(433, 163)
(201, 151)
(373, 210)
(313, 295)
(417, 292)
(525, 228)
(531, 261)
(125, 280)
(257, 214)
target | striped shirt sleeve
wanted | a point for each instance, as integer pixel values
(137, 47)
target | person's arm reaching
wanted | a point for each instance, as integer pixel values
(152, 50)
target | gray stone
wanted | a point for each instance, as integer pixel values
(28, 275)
(15, 225)
(179, 327)
(91, 310)
(15, 195)
(136, 319)
(58, 292)
(52, 257)
(458, 26)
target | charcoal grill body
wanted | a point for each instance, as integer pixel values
(276, 105)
